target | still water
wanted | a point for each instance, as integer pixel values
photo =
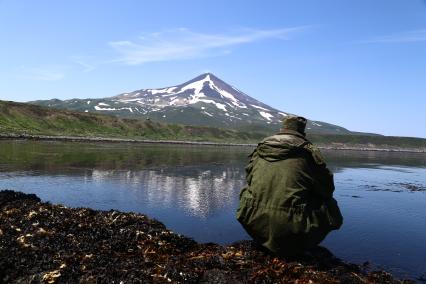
(194, 191)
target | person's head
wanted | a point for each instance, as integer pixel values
(294, 123)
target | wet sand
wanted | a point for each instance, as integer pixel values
(41, 242)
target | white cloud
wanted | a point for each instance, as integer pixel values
(86, 66)
(45, 73)
(408, 36)
(86, 63)
(182, 44)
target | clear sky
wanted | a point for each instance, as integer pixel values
(360, 64)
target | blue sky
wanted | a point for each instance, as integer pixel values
(358, 64)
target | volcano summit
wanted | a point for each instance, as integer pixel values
(205, 100)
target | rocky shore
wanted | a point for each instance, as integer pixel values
(115, 140)
(330, 146)
(41, 242)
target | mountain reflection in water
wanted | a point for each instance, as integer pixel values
(198, 191)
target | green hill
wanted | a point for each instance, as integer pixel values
(21, 118)
(368, 141)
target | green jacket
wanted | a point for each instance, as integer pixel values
(288, 203)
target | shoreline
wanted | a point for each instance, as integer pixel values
(41, 242)
(196, 143)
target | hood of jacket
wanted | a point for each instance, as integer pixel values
(281, 146)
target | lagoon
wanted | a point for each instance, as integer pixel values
(194, 191)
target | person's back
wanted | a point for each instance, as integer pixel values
(287, 205)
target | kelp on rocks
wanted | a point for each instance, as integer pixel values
(41, 242)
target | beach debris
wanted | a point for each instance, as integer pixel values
(80, 245)
(412, 187)
(52, 276)
(398, 187)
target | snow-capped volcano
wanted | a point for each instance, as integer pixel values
(204, 100)
(206, 93)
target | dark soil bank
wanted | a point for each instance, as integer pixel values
(40, 242)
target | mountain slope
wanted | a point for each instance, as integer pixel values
(205, 100)
(20, 118)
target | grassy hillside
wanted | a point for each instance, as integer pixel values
(21, 118)
(369, 141)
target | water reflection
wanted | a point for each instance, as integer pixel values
(194, 191)
(55, 157)
(198, 191)
(373, 159)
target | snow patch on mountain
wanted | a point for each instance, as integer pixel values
(218, 105)
(266, 115)
(259, 107)
(160, 91)
(197, 97)
(131, 100)
(197, 86)
(229, 96)
(233, 116)
(100, 108)
(111, 109)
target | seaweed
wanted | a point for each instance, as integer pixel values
(45, 243)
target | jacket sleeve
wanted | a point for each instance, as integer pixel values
(322, 176)
(323, 181)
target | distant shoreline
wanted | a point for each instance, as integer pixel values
(116, 140)
(198, 143)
